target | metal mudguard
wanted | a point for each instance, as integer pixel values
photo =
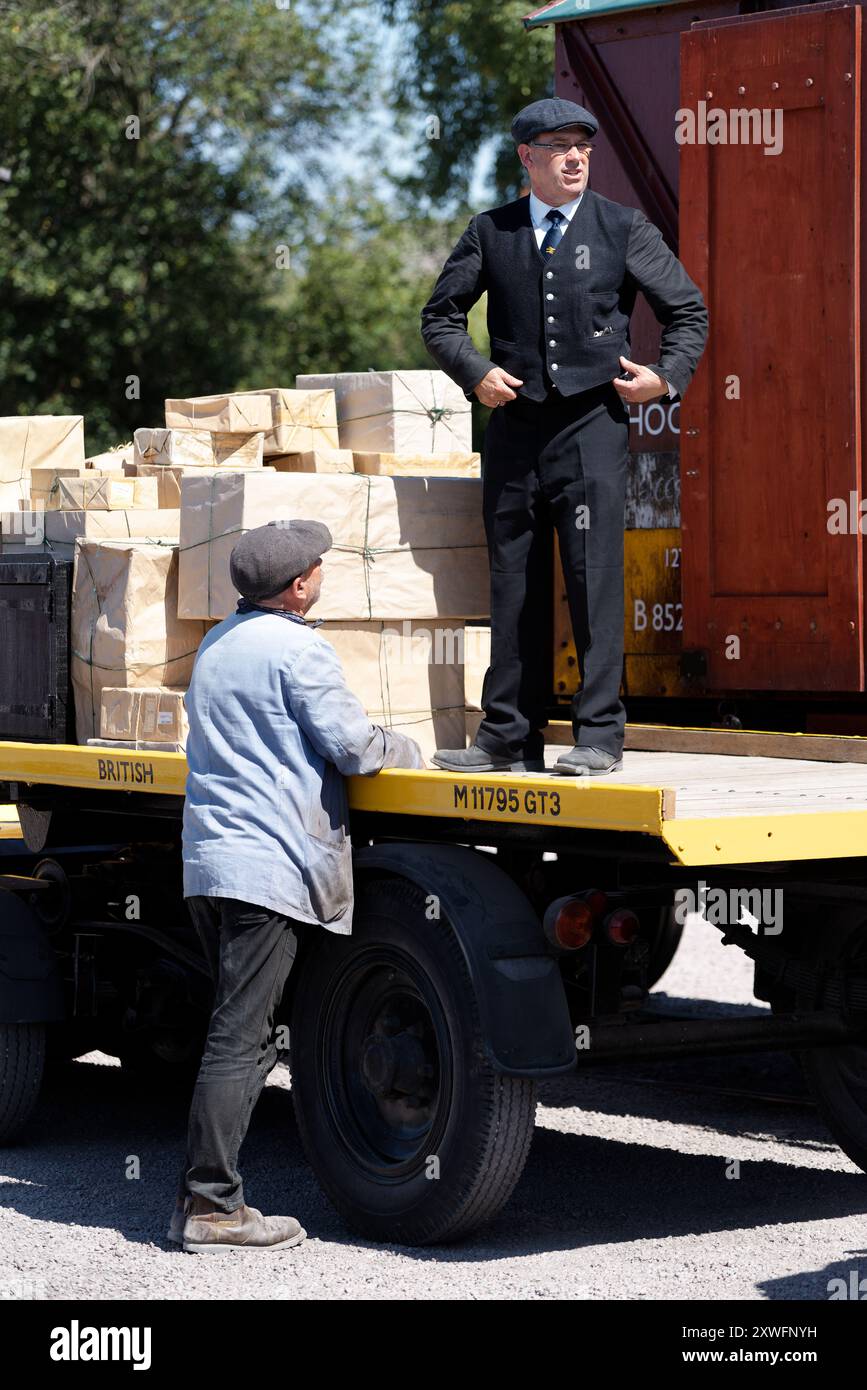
(524, 1015)
(30, 985)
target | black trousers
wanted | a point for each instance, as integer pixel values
(560, 462)
(250, 951)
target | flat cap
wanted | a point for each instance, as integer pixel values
(267, 559)
(554, 113)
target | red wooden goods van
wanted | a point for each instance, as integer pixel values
(764, 209)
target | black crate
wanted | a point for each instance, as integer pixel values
(36, 704)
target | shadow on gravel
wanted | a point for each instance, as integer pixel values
(577, 1190)
(580, 1190)
(844, 1279)
(662, 1005)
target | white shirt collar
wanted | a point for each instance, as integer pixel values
(539, 210)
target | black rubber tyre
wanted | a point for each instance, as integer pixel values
(413, 1135)
(662, 932)
(22, 1064)
(837, 1076)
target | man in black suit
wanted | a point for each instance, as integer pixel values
(561, 268)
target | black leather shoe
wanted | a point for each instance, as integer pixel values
(475, 759)
(586, 762)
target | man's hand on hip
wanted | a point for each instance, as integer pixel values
(496, 387)
(644, 386)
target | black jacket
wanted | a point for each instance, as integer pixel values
(562, 318)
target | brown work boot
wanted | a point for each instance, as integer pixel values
(207, 1230)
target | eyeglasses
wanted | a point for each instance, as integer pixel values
(559, 148)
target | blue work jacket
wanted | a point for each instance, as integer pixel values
(274, 729)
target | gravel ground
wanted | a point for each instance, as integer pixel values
(625, 1195)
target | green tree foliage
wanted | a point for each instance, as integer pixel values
(470, 64)
(351, 296)
(353, 300)
(147, 147)
(175, 212)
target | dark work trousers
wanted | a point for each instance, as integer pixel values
(562, 463)
(250, 951)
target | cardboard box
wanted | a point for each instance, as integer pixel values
(124, 631)
(238, 412)
(118, 458)
(192, 448)
(412, 412)
(155, 713)
(408, 675)
(168, 480)
(44, 484)
(300, 420)
(314, 461)
(419, 465)
(36, 441)
(403, 547)
(58, 531)
(142, 745)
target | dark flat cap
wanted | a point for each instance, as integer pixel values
(554, 113)
(267, 559)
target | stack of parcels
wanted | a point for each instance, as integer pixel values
(293, 421)
(162, 456)
(57, 531)
(125, 632)
(402, 547)
(36, 441)
(60, 490)
(300, 427)
(150, 717)
(388, 423)
(152, 535)
(402, 423)
(408, 566)
(408, 675)
(51, 495)
(44, 487)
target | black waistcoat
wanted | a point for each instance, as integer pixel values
(562, 318)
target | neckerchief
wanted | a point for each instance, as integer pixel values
(246, 605)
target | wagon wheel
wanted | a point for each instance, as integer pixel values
(837, 1076)
(412, 1133)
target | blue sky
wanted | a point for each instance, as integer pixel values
(382, 146)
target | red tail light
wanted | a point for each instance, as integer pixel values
(595, 900)
(568, 923)
(622, 926)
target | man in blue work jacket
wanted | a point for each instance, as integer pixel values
(273, 731)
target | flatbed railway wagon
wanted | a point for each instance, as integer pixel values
(508, 928)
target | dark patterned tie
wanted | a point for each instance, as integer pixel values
(555, 235)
